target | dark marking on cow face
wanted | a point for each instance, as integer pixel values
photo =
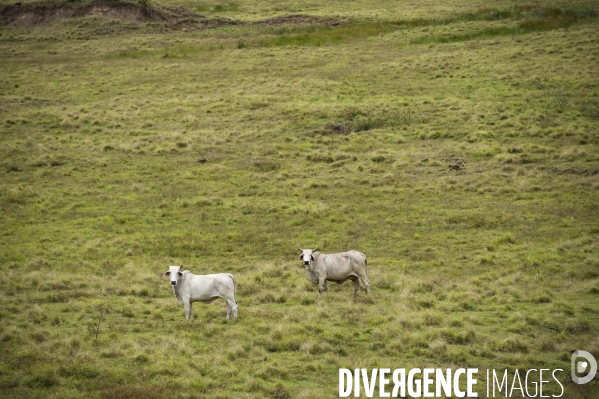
(306, 257)
(306, 260)
(174, 273)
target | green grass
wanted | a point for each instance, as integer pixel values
(336, 136)
(324, 35)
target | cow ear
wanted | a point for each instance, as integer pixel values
(180, 274)
(167, 274)
(301, 257)
(311, 257)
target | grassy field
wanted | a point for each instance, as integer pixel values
(226, 134)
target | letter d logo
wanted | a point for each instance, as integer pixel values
(580, 366)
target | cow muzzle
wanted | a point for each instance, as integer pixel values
(173, 283)
(306, 263)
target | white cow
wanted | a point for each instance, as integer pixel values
(189, 288)
(339, 268)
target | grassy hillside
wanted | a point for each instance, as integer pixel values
(220, 135)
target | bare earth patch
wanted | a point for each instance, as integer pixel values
(174, 18)
(34, 15)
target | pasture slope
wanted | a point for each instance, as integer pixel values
(220, 135)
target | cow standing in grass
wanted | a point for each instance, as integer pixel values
(189, 288)
(339, 268)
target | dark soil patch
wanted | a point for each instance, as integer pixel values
(30, 15)
(172, 18)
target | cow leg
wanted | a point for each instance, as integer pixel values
(234, 309)
(231, 308)
(356, 285)
(322, 286)
(366, 283)
(188, 310)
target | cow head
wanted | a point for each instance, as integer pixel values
(174, 273)
(306, 255)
